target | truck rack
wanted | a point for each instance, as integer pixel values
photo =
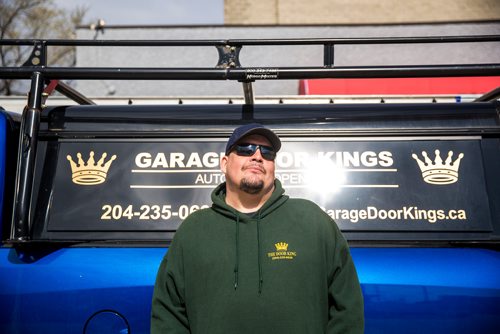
(229, 67)
(45, 79)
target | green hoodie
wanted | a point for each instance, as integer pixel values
(285, 270)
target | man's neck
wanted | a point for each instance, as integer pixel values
(244, 202)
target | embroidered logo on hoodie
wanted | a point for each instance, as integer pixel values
(282, 252)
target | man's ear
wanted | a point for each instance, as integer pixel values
(223, 164)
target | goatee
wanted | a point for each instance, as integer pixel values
(250, 187)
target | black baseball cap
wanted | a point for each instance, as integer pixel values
(253, 129)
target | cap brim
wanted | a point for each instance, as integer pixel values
(270, 135)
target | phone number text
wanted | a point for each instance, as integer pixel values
(147, 212)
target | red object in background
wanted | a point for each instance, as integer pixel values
(399, 86)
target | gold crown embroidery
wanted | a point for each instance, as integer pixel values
(281, 246)
(282, 252)
(439, 172)
(89, 173)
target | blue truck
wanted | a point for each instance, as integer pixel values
(91, 195)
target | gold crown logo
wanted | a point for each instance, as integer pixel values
(438, 172)
(281, 246)
(89, 173)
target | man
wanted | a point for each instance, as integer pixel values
(257, 261)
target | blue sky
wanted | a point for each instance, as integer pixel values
(150, 12)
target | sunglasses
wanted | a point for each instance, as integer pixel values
(247, 150)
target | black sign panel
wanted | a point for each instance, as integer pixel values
(391, 185)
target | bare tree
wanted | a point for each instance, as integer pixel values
(32, 19)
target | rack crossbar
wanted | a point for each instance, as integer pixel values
(249, 74)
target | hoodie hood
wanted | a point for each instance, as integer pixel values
(219, 205)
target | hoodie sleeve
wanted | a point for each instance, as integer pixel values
(168, 309)
(346, 313)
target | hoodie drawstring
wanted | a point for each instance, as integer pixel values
(261, 280)
(236, 262)
(237, 253)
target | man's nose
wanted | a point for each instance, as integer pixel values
(257, 155)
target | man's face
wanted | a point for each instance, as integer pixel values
(250, 174)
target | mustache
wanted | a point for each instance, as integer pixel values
(255, 165)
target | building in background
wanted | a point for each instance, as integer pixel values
(269, 56)
(276, 12)
(272, 19)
